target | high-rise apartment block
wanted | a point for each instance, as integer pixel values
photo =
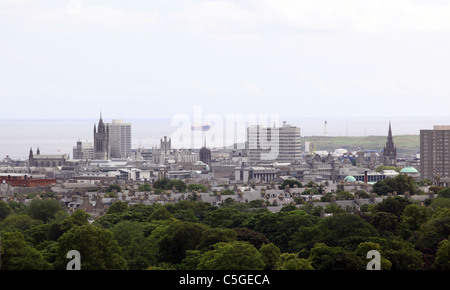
(273, 144)
(435, 154)
(119, 139)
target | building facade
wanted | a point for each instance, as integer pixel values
(276, 144)
(24, 180)
(435, 154)
(119, 139)
(205, 155)
(83, 150)
(45, 160)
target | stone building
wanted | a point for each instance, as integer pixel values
(390, 150)
(205, 155)
(44, 160)
(101, 141)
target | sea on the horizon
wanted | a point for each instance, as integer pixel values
(60, 136)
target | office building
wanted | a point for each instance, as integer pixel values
(119, 139)
(276, 144)
(83, 150)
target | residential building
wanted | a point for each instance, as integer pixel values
(435, 154)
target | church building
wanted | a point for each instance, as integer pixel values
(101, 141)
(390, 150)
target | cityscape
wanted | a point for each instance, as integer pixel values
(265, 136)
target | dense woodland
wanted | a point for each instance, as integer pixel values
(193, 235)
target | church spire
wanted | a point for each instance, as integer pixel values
(390, 131)
(390, 150)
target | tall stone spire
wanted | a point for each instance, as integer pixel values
(390, 150)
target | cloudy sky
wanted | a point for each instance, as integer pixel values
(153, 59)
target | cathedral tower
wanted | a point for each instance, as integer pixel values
(101, 141)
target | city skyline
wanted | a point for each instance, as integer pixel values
(72, 59)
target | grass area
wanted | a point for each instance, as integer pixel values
(406, 144)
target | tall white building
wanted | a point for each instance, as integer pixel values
(273, 144)
(119, 139)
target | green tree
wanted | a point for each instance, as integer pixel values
(161, 183)
(402, 255)
(431, 233)
(98, 249)
(291, 183)
(118, 207)
(380, 168)
(364, 247)
(212, 236)
(412, 218)
(440, 202)
(442, 261)
(394, 205)
(113, 188)
(17, 254)
(145, 187)
(221, 217)
(445, 193)
(135, 249)
(402, 183)
(237, 255)
(177, 238)
(323, 257)
(386, 223)
(270, 255)
(344, 195)
(293, 263)
(19, 222)
(255, 238)
(197, 187)
(5, 210)
(161, 214)
(346, 229)
(44, 209)
(191, 261)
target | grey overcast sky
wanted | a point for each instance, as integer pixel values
(154, 59)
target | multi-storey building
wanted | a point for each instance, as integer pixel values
(83, 150)
(435, 154)
(119, 139)
(276, 144)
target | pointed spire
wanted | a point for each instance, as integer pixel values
(390, 130)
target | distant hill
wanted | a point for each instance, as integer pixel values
(406, 144)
